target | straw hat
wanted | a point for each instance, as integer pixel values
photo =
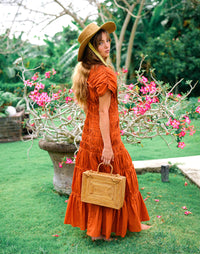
(89, 31)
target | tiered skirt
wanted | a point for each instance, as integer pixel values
(98, 220)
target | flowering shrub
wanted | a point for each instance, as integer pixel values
(147, 109)
(150, 108)
(55, 116)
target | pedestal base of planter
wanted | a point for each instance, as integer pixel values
(62, 179)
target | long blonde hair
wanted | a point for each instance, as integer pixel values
(79, 80)
(82, 69)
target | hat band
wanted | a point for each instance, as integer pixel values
(97, 53)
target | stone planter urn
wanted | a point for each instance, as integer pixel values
(62, 179)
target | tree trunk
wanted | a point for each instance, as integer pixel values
(121, 38)
(132, 36)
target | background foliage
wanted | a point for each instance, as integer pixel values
(170, 36)
(168, 32)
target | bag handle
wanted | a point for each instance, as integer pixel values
(111, 171)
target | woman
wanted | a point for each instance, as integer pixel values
(95, 88)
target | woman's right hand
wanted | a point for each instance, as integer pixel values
(107, 155)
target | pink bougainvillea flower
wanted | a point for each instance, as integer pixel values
(147, 106)
(131, 86)
(70, 91)
(28, 83)
(144, 79)
(156, 200)
(170, 94)
(124, 70)
(184, 207)
(126, 98)
(187, 119)
(178, 95)
(35, 77)
(144, 90)
(69, 118)
(169, 121)
(198, 109)
(159, 216)
(53, 72)
(47, 74)
(66, 201)
(69, 161)
(148, 99)
(60, 164)
(43, 99)
(175, 124)
(153, 84)
(39, 86)
(181, 145)
(68, 99)
(55, 235)
(122, 132)
(135, 110)
(185, 183)
(192, 132)
(55, 96)
(182, 134)
(155, 99)
(187, 212)
(152, 87)
(40, 99)
(145, 199)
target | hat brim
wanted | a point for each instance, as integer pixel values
(110, 27)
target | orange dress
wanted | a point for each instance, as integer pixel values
(97, 219)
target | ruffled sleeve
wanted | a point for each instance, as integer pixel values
(104, 79)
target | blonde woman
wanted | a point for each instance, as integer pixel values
(95, 88)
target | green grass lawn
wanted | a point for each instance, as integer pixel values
(31, 211)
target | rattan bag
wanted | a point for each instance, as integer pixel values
(103, 189)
